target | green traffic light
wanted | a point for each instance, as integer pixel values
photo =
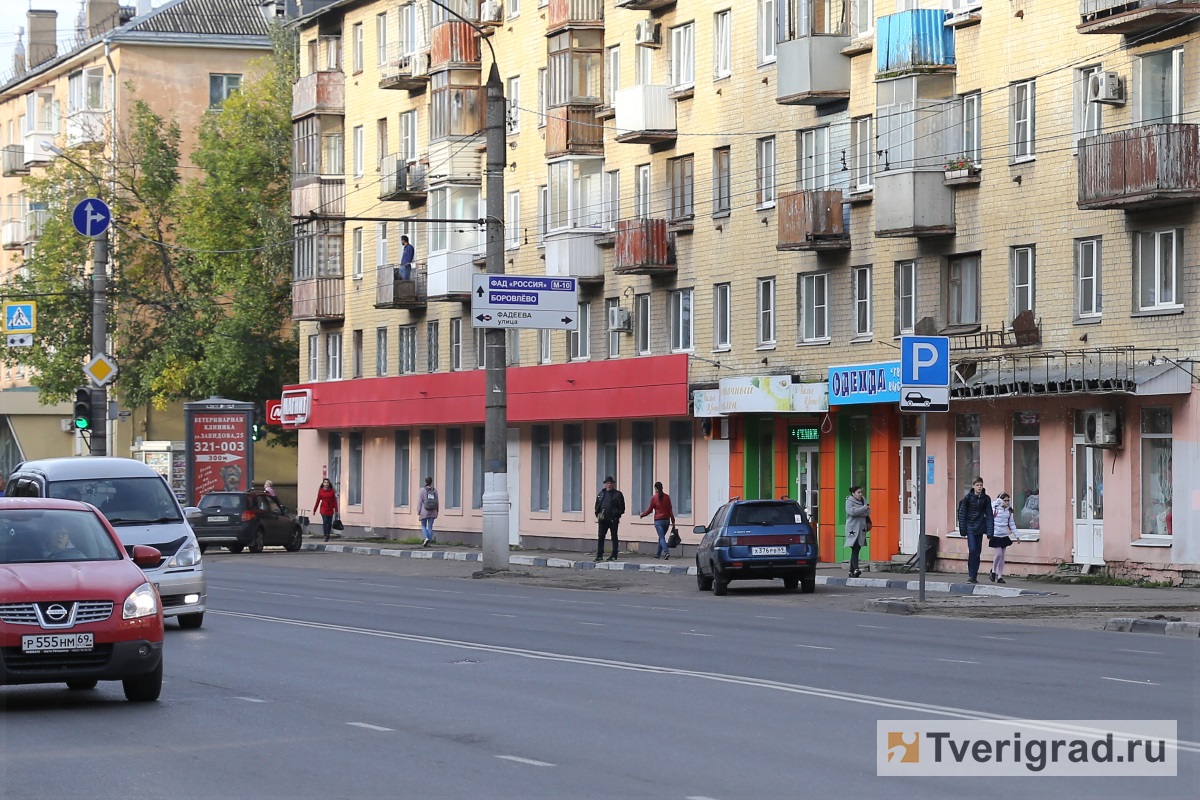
(82, 424)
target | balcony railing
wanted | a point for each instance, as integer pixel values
(453, 43)
(574, 14)
(323, 195)
(812, 221)
(574, 254)
(450, 276)
(13, 161)
(319, 93)
(1145, 167)
(318, 298)
(394, 291)
(914, 41)
(455, 160)
(36, 143)
(644, 247)
(406, 71)
(35, 223)
(86, 127)
(573, 130)
(812, 70)
(645, 115)
(12, 234)
(1135, 16)
(401, 180)
(913, 202)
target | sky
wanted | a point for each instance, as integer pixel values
(12, 14)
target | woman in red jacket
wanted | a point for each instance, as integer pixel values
(664, 518)
(326, 506)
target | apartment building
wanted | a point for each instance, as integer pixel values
(758, 199)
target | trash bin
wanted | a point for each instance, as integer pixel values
(931, 550)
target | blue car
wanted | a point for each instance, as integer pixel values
(757, 540)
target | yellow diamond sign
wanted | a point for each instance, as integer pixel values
(102, 370)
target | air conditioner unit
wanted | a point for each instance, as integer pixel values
(420, 64)
(619, 319)
(1102, 429)
(490, 12)
(67, 424)
(1106, 87)
(645, 33)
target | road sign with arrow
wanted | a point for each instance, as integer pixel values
(524, 301)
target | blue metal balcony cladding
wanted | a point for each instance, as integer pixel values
(913, 40)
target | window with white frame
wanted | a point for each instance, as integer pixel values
(408, 136)
(643, 66)
(356, 349)
(354, 489)
(455, 344)
(1088, 115)
(722, 316)
(381, 143)
(606, 453)
(906, 297)
(381, 351)
(643, 441)
(641, 324)
(356, 46)
(680, 434)
(814, 159)
(814, 307)
(406, 43)
(862, 154)
(1158, 255)
(454, 202)
(381, 244)
(1159, 76)
(765, 311)
(406, 343)
(356, 245)
(543, 107)
(381, 38)
(723, 44)
(513, 221)
(972, 121)
(575, 193)
(1087, 282)
(1026, 468)
(572, 451)
(454, 457)
(1022, 261)
(722, 181)
(480, 337)
(512, 99)
(477, 466)
(680, 177)
(1158, 473)
(765, 173)
(514, 8)
(612, 74)
(539, 480)
(680, 315)
(611, 200)
(903, 107)
(358, 151)
(966, 453)
(512, 347)
(314, 357)
(1022, 106)
(641, 191)
(220, 88)
(545, 350)
(433, 359)
(862, 301)
(333, 356)
(963, 290)
(85, 91)
(683, 56)
(428, 456)
(402, 478)
(543, 205)
(766, 32)
(579, 346)
(862, 18)
(611, 304)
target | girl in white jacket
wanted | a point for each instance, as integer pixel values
(1004, 533)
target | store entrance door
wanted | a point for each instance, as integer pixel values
(910, 508)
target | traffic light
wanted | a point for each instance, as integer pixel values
(258, 429)
(83, 409)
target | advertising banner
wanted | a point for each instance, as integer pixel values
(220, 442)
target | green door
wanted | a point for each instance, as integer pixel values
(853, 469)
(759, 464)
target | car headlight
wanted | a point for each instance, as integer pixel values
(142, 602)
(186, 556)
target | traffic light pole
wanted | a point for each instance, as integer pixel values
(99, 427)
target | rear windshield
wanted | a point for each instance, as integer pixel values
(223, 501)
(28, 535)
(767, 514)
(124, 501)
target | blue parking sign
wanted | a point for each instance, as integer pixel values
(925, 361)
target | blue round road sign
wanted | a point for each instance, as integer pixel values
(91, 217)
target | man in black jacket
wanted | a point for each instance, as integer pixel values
(974, 522)
(610, 505)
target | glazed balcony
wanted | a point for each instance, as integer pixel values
(450, 275)
(391, 291)
(402, 180)
(913, 203)
(645, 115)
(12, 234)
(87, 127)
(812, 71)
(453, 44)
(318, 299)
(455, 160)
(408, 71)
(644, 247)
(322, 195)
(913, 41)
(574, 14)
(574, 253)
(644, 5)
(319, 93)
(36, 143)
(12, 161)
(573, 130)
(1145, 167)
(35, 223)
(812, 221)
(1135, 16)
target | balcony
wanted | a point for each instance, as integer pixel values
(319, 93)
(453, 44)
(35, 147)
(574, 14)
(318, 299)
(812, 221)
(449, 276)
(1146, 167)
(644, 247)
(645, 115)
(812, 71)
(573, 130)
(402, 180)
(12, 234)
(574, 254)
(323, 195)
(913, 41)
(393, 292)
(1135, 16)
(409, 71)
(87, 127)
(455, 160)
(35, 223)
(644, 5)
(913, 203)
(12, 161)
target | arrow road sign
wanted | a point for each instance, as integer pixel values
(522, 318)
(91, 217)
(524, 301)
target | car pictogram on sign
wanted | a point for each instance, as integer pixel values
(917, 399)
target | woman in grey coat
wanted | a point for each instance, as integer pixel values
(857, 519)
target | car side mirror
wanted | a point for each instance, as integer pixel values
(191, 512)
(145, 556)
(700, 529)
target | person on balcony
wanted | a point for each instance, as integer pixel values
(407, 254)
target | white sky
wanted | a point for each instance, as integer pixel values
(12, 14)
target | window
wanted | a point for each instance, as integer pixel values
(356, 46)
(1088, 115)
(428, 454)
(1022, 279)
(480, 348)
(765, 184)
(765, 307)
(1022, 101)
(456, 344)
(335, 460)
(766, 31)
(381, 143)
(542, 99)
(356, 245)
(401, 477)
(431, 346)
(683, 56)
(406, 343)
(1087, 266)
(1157, 472)
(512, 347)
(606, 453)
(862, 301)
(513, 222)
(1159, 254)
(357, 348)
(478, 449)
(722, 316)
(972, 122)
(220, 87)
(333, 356)
(358, 151)
(814, 307)
(514, 8)
(381, 38)
(512, 99)
(641, 324)
(962, 285)
(85, 92)
(406, 43)
(543, 206)
(355, 490)
(1160, 78)
(641, 191)
(723, 44)
(539, 483)
(381, 244)
(612, 73)
(454, 447)
(681, 320)
(381, 351)
(966, 453)
(579, 340)
(680, 172)
(862, 18)
(643, 463)
(611, 304)
(455, 104)
(643, 66)
(408, 136)
(611, 212)
(722, 181)
(545, 351)
(906, 297)
(1025, 475)
(572, 444)
(314, 357)
(575, 193)
(862, 154)
(904, 108)
(575, 67)
(680, 457)
(454, 202)
(814, 160)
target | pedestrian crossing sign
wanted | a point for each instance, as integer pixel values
(20, 317)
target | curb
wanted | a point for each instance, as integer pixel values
(1134, 625)
(942, 587)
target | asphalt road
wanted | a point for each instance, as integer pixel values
(322, 676)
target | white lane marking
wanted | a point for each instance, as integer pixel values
(252, 699)
(956, 661)
(1143, 652)
(653, 608)
(814, 647)
(879, 627)
(894, 704)
(576, 602)
(510, 616)
(528, 761)
(758, 617)
(439, 591)
(693, 633)
(1124, 680)
(406, 605)
(506, 596)
(1000, 638)
(597, 624)
(340, 600)
(371, 727)
(698, 797)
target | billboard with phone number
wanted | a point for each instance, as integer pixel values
(220, 441)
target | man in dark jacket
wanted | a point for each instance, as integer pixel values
(610, 505)
(974, 522)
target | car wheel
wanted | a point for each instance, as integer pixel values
(295, 541)
(808, 584)
(703, 582)
(144, 688)
(82, 685)
(791, 583)
(719, 586)
(256, 546)
(191, 621)
(235, 548)
(203, 548)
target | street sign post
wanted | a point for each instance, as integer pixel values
(524, 301)
(91, 217)
(101, 370)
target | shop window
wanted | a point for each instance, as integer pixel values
(356, 470)
(860, 451)
(606, 453)
(572, 467)
(477, 450)
(966, 453)
(1026, 476)
(428, 453)
(402, 479)
(681, 467)
(1157, 472)
(334, 464)
(643, 464)
(453, 488)
(539, 495)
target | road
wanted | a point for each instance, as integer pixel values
(322, 676)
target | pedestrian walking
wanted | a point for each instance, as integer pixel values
(428, 504)
(858, 522)
(974, 522)
(664, 518)
(1004, 533)
(327, 506)
(610, 505)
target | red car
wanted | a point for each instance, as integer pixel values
(74, 607)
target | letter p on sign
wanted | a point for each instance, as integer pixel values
(925, 361)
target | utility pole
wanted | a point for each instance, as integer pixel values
(99, 443)
(495, 450)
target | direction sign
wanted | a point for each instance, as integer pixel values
(524, 301)
(102, 370)
(20, 317)
(91, 217)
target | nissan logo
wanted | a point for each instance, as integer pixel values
(56, 613)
